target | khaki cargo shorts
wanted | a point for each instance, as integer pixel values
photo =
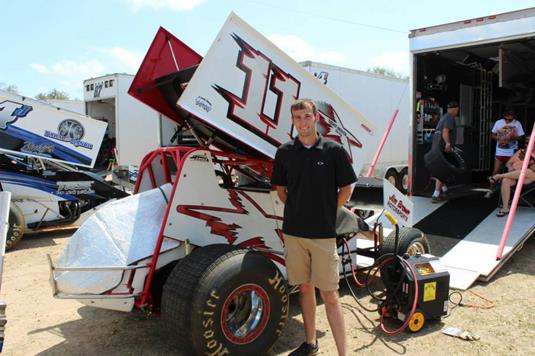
(312, 261)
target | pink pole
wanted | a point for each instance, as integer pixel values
(516, 197)
(383, 140)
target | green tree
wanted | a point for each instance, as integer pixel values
(53, 94)
(12, 88)
(387, 72)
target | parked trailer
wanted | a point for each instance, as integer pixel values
(486, 64)
(202, 238)
(133, 128)
(377, 97)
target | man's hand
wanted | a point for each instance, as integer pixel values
(343, 195)
(282, 192)
(447, 148)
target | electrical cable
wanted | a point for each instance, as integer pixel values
(331, 18)
(491, 304)
(347, 281)
(382, 262)
(414, 303)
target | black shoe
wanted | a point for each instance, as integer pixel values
(306, 349)
(445, 194)
(436, 200)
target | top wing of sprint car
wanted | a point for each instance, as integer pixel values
(238, 97)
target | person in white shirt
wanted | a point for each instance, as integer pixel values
(506, 132)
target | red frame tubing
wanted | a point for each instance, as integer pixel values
(359, 283)
(179, 155)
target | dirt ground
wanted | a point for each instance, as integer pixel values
(40, 324)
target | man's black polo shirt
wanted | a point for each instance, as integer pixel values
(312, 177)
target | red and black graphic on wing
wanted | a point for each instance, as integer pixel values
(273, 75)
(330, 125)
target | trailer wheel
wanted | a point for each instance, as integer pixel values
(391, 175)
(16, 226)
(224, 300)
(404, 180)
(411, 241)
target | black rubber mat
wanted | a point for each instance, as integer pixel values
(458, 216)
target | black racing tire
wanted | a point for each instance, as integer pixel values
(224, 300)
(404, 180)
(16, 228)
(444, 166)
(411, 241)
(391, 175)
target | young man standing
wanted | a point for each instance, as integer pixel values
(506, 132)
(448, 133)
(313, 177)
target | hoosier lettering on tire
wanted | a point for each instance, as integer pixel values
(16, 226)
(226, 301)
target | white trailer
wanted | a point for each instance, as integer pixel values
(376, 97)
(133, 128)
(487, 65)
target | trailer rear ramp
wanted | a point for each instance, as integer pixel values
(472, 256)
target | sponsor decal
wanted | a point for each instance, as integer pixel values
(11, 111)
(199, 158)
(398, 207)
(203, 103)
(323, 76)
(44, 149)
(71, 131)
(76, 187)
(97, 87)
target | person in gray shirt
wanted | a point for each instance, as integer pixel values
(448, 129)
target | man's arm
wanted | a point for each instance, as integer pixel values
(282, 192)
(343, 195)
(446, 138)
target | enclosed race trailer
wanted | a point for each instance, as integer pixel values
(487, 65)
(377, 97)
(133, 128)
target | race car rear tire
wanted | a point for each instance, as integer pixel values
(17, 224)
(411, 241)
(224, 300)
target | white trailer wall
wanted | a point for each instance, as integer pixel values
(376, 97)
(137, 127)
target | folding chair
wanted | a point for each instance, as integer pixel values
(527, 190)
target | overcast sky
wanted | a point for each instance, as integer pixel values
(59, 43)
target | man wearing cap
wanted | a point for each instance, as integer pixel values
(448, 130)
(506, 132)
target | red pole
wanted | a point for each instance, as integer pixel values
(383, 140)
(516, 197)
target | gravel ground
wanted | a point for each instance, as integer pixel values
(40, 324)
